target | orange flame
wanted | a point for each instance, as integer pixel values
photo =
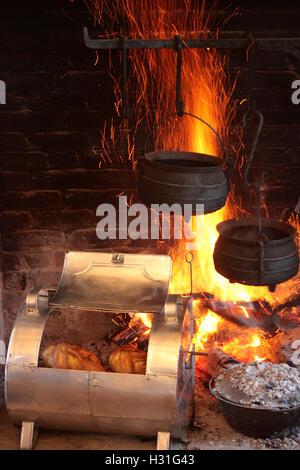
(145, 319)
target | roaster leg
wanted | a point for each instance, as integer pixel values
(163, 441)
(26, 435)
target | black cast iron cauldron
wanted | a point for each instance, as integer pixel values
(185, 178)
(256, 422)
(242, 255)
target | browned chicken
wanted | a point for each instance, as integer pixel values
(128, 360)
(67, 356)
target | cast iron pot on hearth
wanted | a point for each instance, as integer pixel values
(256, 251)
(185, 178)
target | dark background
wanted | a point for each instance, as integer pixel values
(57, 101)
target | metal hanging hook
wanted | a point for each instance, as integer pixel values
(253, 149)
(250, 56)
(254, 112)
(261, 237)
(179, 102)
(227, 161)
(189, 258)
(125, 105)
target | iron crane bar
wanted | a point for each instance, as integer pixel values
(222, 43)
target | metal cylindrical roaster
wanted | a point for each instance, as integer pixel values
(161, 400)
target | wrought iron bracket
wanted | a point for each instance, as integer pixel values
(228, 40)
(125, 105)
(179, 102)
(288, 44)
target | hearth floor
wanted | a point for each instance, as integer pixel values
(210, 432)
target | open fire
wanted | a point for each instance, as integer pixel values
(238, 328)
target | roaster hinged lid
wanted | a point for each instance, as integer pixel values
(120, 282)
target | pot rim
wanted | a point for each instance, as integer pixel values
(240, 405)
(287, 229)
(153, 157)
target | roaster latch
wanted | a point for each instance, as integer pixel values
(117, 258)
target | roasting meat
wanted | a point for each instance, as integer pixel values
(128, 360)
(67, 356)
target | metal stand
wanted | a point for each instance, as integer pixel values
(228, 40)
(163, 441)
(26, 439)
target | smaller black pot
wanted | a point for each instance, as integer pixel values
(240, 255)
(258, 421)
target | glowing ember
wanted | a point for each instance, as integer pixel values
(245, 311)
(244, 344)
(143, 318)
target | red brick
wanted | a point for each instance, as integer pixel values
(49, 278)
(60, 141)
(276, 136)
(26, 120)
(274, 79)
(64, 179)
(20, 161)
(15, 280)
(40, 240)
(80, 120)
(40, 259)
(10, 262)
(64, 220)
(59, 257)
(15, 221)
(16, 181)
(12, 300)
(30, 200)
(66, 159)
(15, 142)
(87, 239)
(90, 199)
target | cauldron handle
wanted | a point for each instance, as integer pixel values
(229, 164)
(256, 187)
(253, 149)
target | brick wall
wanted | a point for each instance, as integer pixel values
(56, 103)
(278, 150)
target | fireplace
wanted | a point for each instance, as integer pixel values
(61, 161)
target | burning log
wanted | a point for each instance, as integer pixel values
(258, 313)
(134, 332)
(286, 348)
(254, 314)
(218, 361)
(125, 336)
(286, 316)
(294, 302)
